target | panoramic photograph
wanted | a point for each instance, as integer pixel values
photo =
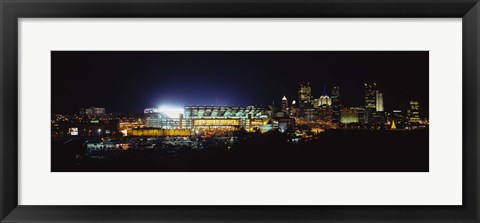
(240, 111)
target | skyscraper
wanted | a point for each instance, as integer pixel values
(325, 99)
(304, 95)
(379, 101)
(284, 104)
(316, 102)
(293, 111)
(336, 104)
(370, 97)
(370, 101)
(414, 113)
(378, 116)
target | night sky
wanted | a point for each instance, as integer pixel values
(133, 80)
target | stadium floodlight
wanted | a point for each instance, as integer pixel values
(171, 111)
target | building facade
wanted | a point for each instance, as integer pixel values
(379, 102)
(208, 118)
(92, 111)
(324, 98)
(284, 104)
(336, 104)
(348, 115)
(414, 112)
(304, 95)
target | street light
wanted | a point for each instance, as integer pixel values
(99, 131)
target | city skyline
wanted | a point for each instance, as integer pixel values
(240, 111)
(373, 100)
(315, 113)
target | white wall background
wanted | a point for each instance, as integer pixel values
(441, 186)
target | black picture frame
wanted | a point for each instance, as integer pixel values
(12, 10)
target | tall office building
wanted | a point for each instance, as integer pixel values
(370, 101)
(293, 111)
(325, 99)
(379, 101)
(304, 95)
(378, 116)
(316, 102)
(414, 113)
(336, 104)
(284, 104)
(370, 97)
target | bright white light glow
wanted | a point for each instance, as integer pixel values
(171, 111)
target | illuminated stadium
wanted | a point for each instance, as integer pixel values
(223, 117)
(206, 117)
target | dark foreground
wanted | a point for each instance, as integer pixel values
(332, 151)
